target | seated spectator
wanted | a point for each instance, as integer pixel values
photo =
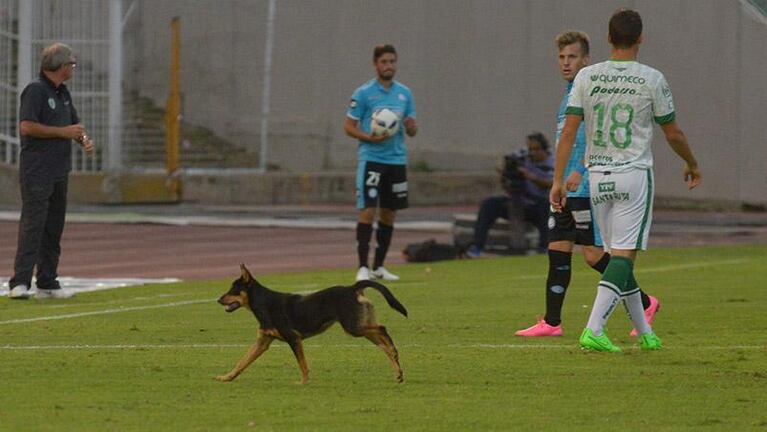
(526, 178)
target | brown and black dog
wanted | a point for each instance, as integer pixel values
(293, 318)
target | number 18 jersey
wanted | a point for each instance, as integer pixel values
(619, 100)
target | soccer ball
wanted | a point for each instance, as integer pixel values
(384, 122)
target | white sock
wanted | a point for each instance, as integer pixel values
(604, 305)
(634, 308)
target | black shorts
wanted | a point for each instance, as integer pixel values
(381, 185)
(575, 223)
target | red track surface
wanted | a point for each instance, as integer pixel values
(99, 250)
(201, 252)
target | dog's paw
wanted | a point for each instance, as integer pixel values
(224, 378)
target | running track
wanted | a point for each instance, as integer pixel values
(99, 250)
(195, 252)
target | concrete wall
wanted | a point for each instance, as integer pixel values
(96, 188)
(483, 73)
(445, 188)
(334, 187)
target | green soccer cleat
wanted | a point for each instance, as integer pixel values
(597, 343)
(649, 342)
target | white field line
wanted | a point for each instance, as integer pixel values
(342, 346)
(121, 303)
(188, 302)
(106, 311)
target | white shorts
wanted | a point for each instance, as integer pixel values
(622, 203)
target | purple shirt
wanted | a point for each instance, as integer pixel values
(545, 169)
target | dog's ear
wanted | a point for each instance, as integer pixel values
(246, 276)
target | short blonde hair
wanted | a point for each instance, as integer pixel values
(572, 36)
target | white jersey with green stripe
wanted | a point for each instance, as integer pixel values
(619, 100)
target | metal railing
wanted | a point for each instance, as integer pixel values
(761, 5)
(26, 27)
(9, 45)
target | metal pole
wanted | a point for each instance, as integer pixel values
(173, 112)
(267, 85)
(173, 107)
(25, 48)
(114, 147)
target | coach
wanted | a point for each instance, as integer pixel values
(48, 122)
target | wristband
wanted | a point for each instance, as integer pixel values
(581, 169)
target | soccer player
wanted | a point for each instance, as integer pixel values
(618, 100)
(574, 224)
(382, 167)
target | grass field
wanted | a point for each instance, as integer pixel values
(144, 358)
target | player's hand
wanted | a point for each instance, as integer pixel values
(557, 197)
(411, 127)
(376, 138)
(692, 176)
(73, 132)
(573, 181)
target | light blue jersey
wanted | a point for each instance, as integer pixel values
(370, 97)
(576, 162)
(579, 148)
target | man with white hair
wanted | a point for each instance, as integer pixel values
(48, 122)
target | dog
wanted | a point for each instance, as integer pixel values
(292, 318)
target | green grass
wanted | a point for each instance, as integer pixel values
(152, 369)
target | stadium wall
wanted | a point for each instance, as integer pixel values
(483, 73)
(444, 188)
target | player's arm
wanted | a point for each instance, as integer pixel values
(351, 127)
(411, 127)
(678, 142)
(564, 149)
(573, 181)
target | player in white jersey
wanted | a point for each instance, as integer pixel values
(574, 225)
(618, 100)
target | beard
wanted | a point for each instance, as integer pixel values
(386, 76)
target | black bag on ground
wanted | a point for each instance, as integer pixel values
(430, 250)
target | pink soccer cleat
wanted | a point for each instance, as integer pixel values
(541, 329)
(649, 313)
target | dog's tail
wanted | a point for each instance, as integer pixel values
(393, 302)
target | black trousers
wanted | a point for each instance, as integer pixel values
(43, 211)
(498, 207)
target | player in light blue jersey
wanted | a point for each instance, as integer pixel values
(382, 168)
(575, 224)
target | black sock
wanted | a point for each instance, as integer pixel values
(601, 265)
(364, 232)
(383, 240)
(645, 299)
(556, 285)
